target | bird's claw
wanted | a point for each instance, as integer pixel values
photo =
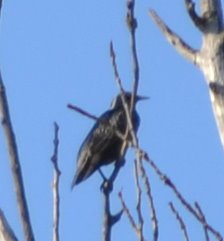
(106, 186)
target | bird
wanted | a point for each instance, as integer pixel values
(103, 144)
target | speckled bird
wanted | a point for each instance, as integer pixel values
(103, 144)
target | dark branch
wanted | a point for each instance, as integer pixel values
(0, 6)
(197, 206)
(216, 88)
(211, 10)
(107, 188)
(81, 111)
(198, 21)
(180, 220)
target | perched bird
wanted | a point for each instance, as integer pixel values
(103, 144)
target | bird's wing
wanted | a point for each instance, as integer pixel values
(99, 136)
(98, 139)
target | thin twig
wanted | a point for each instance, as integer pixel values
(122, 91)
(132, 26)
(154, 220)
(56, 180)
(15, 164)
(120, 86)
(167, 181)
(81, 111)
(139, 202)
(114, 64)
(6, 233)
(109, 219)
(197, 206)
(180, 220)
(14, 160)
(128, 213)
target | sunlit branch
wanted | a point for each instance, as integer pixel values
(15, 163)
(139, 202)
(6, 233)
(180, 45)
(128, 213)
(55, 187)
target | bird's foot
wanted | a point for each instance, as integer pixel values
(120, 163)
(106, 186)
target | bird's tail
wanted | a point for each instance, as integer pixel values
(74, 182)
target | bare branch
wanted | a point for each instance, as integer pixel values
(203, 219)
(206, 226)
(139, 203)
(56, 180)
(6, 233)
(132, 26)
(128, 213)
(167, 181)
(210, 56)
(181, 46)
(81, 111)
(107, 188)
(198, 21)
(109, 219)
(119, 163)
(180, 220)
(114, 64)
(127, 111)
(155, 225)
(15, 163)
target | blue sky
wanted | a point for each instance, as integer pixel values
(53, 54)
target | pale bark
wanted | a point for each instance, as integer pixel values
(210, 57)
(15, 164)
(6, 233)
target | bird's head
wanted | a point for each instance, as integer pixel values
(117, 102)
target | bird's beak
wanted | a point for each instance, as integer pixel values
(139, 97)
